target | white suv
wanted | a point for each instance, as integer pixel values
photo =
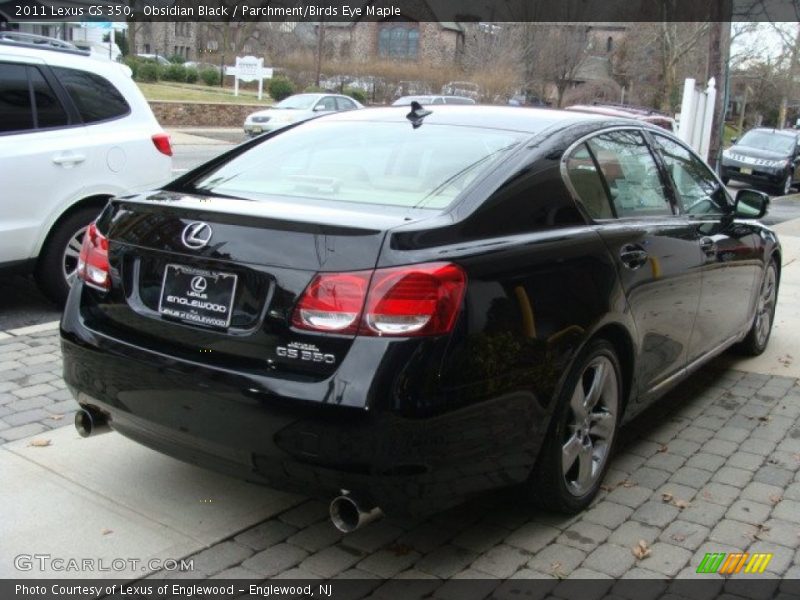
(74, 131)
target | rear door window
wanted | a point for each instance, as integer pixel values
(16, 110)
(94, 96)
(630, 173)
(49, 110)
(345, 104)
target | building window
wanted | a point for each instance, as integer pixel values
(609, 44)
(398, 40)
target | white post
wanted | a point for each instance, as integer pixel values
(708, 118)
(260, 87)
(687, 111)
(236, 85)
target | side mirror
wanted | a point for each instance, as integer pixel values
(319, 108)
(733, 141)
(751, 204)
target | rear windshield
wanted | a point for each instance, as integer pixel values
(388, 164)
(765, 140)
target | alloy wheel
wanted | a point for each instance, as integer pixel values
(591, 426)
(766, 305)
(69, 259)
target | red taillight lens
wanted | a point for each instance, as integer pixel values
(398, 301)
(332, 302)
(93, 260)
(414, 300)
(162, 143)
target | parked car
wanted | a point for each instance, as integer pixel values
(648, 115)
(201, 66)
(297, 108)
(156, 58)
(768, 158)
(74, 131)
(416, 311)
(432, 99)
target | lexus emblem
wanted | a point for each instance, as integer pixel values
(199, 284)
(196, 235)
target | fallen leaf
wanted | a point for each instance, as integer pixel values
(606, 488)
(399, 549)
(39, 443)
(765, 418)
(680, 503)
(641, 550)
(56, 417)
(663, 448)
(678, 537)
(105, 531)
(627, 483)
(775, 498)
(667, 497)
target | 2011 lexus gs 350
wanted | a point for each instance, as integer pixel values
(414, 307)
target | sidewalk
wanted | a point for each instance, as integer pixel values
(714, 468)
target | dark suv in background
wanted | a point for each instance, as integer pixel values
(767, 158)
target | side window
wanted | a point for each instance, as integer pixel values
(700, 192)
(345, 104)
(95, 97)
(49, 111)
(16, 112)
(630, 173)
(327, 103)
(587, 183)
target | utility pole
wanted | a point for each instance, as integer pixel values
(719, 50)
(320, 48)
(792, 75)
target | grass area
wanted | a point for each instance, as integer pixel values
(188, 92)
(729, 132)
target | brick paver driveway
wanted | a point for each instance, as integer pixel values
(714, 468)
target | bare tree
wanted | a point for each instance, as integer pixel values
(658, 55)
(554, 53)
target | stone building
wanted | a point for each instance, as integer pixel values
(434, 43)
(167, 39)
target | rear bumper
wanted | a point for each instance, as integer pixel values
(224, 421)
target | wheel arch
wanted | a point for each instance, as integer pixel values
(97, 200)
(621, 340)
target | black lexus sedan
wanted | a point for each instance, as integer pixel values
(767, 158)
(405, 308)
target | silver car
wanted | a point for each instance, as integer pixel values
(296, 108)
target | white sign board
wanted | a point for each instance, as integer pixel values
(249, 68)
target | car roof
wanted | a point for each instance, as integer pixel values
(513, 118)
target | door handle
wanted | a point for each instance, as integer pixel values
(68, 159)
(708, 246)
(633, 256)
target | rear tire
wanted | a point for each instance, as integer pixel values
(576, 454)
(785, 188)
(757, 338)
(58, 260)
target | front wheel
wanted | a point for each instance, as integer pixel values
(786, 187)
(576, 453)
(757, 338)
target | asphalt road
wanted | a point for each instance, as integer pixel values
(21, 304)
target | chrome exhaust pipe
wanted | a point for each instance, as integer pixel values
(349, 513)
(90, 422)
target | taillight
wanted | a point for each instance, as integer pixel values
(412, 300)
(93, 260)
(162, 143)
(332, 302)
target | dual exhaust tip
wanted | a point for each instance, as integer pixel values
(348, 513)
(90, 422)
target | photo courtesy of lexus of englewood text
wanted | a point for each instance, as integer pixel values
(399, 299)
